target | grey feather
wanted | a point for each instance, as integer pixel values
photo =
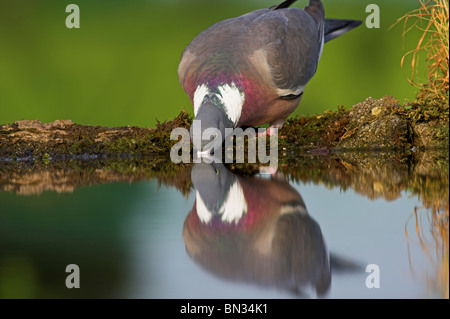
(337, 27)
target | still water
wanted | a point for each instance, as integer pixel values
(229, 236)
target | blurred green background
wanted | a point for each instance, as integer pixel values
(120, 67)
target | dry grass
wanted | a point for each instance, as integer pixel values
(436, 247)
(432, 20)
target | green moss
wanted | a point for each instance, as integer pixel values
(323, 130)
(375, 124)
(25, 138)
(428, 106)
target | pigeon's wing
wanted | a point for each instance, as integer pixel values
(216, 46)
(280, 46)
(286, 44)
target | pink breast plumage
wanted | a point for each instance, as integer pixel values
(255, 95)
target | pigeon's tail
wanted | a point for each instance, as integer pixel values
(337, 27)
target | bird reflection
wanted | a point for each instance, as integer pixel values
(255, 230)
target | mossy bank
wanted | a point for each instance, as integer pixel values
(375, 124)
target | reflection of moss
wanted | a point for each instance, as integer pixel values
(65, 175)
(372, 174)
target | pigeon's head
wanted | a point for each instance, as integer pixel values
(208, 129)
(217, 107)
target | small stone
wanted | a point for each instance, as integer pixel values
(63, 123)
(376, 110)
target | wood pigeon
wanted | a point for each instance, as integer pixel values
(253, 69)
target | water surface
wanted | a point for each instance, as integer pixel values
(228, 236)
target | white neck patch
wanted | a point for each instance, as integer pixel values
(232, 100)
(229, 96)
(199, 96)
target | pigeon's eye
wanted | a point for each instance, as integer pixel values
(216, 134)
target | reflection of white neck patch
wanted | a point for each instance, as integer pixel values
(232, 209)
(202, 211)
(235, 205)
(229, 96)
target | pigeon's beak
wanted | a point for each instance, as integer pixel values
(208, 128)
(205, 154)
(207, 151)
(206, 146)
(206, 157)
